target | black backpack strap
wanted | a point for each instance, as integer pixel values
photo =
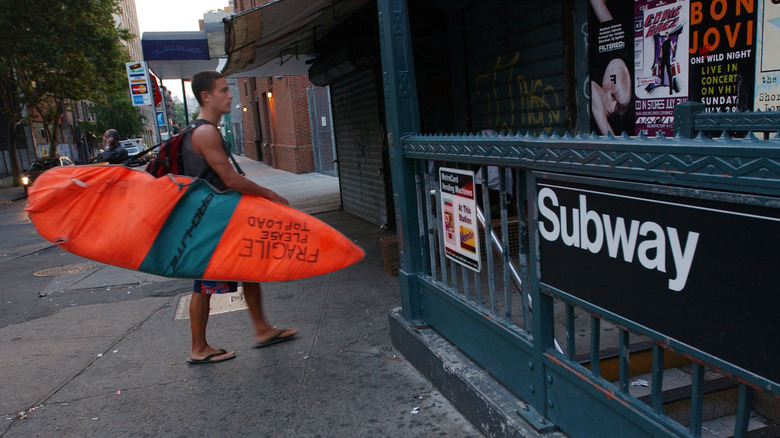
(238, 168)
(198, 122)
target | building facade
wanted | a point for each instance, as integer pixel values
(275, 116)
(128, 19)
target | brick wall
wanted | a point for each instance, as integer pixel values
(290, 143)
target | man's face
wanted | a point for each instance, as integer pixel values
(617, 87)
(106, 139)
(220, 97)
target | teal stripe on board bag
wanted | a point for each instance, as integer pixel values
(190, 235)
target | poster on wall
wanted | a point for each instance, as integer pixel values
(459, 217)
(767, 94)
(661, 33)
(722, 54)
(611, 54)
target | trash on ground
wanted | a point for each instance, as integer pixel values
(416, 410)
(640, 382)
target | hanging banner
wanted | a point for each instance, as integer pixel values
(459, 217)
(660, 63)
(767, 94)
(611, 55)
(722, 54)
(140, 90)
(155, 90)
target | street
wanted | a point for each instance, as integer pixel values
(94, 350)
(26, 296)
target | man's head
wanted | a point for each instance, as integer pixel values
(211, 91)
(204, 81)
(111, 137)
(617, 87)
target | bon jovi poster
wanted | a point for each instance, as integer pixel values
(722, 54)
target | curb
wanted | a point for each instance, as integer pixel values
(487, 404)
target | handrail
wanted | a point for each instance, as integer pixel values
(514, 275)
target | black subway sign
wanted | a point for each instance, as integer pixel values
(701, 271)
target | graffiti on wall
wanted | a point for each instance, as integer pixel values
(511, 101)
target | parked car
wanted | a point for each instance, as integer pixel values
(41, 165)
(134, 157)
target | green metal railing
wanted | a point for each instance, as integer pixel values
(509, 318)
(503, 326)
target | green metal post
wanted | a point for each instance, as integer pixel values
(402, 115)
(543, 321)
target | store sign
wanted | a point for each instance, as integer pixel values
(459, 216)
(699, 271)
(140, 90)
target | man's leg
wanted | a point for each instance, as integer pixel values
(199, 317)
(263, 330)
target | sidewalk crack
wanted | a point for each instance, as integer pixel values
(317, 330)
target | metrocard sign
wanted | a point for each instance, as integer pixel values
(700, 271)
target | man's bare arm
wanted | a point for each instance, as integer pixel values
(207, 142)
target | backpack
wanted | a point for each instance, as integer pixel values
(170, 156)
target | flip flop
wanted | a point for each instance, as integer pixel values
(210, 358)
(275, 339)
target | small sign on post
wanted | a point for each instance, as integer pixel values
(459, 217)
(140, 90)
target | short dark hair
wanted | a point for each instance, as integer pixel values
(114, 135)
(204, 81)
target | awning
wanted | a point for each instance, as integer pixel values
(277, 38)
(178, 55)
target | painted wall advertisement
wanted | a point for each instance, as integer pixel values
(660, 63)
(722, 53)
(140, 90)
(459, 217)
(767, 94)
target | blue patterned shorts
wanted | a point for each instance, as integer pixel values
(214, 287)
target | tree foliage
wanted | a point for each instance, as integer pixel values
(118, 113)
(177, 116)
(58, 50)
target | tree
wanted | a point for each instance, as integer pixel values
(54, 51)
(118, 113)
(177, 115)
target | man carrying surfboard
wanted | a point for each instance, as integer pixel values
(205, 155)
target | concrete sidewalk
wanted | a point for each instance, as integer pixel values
(311, 192)
(114, 363)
